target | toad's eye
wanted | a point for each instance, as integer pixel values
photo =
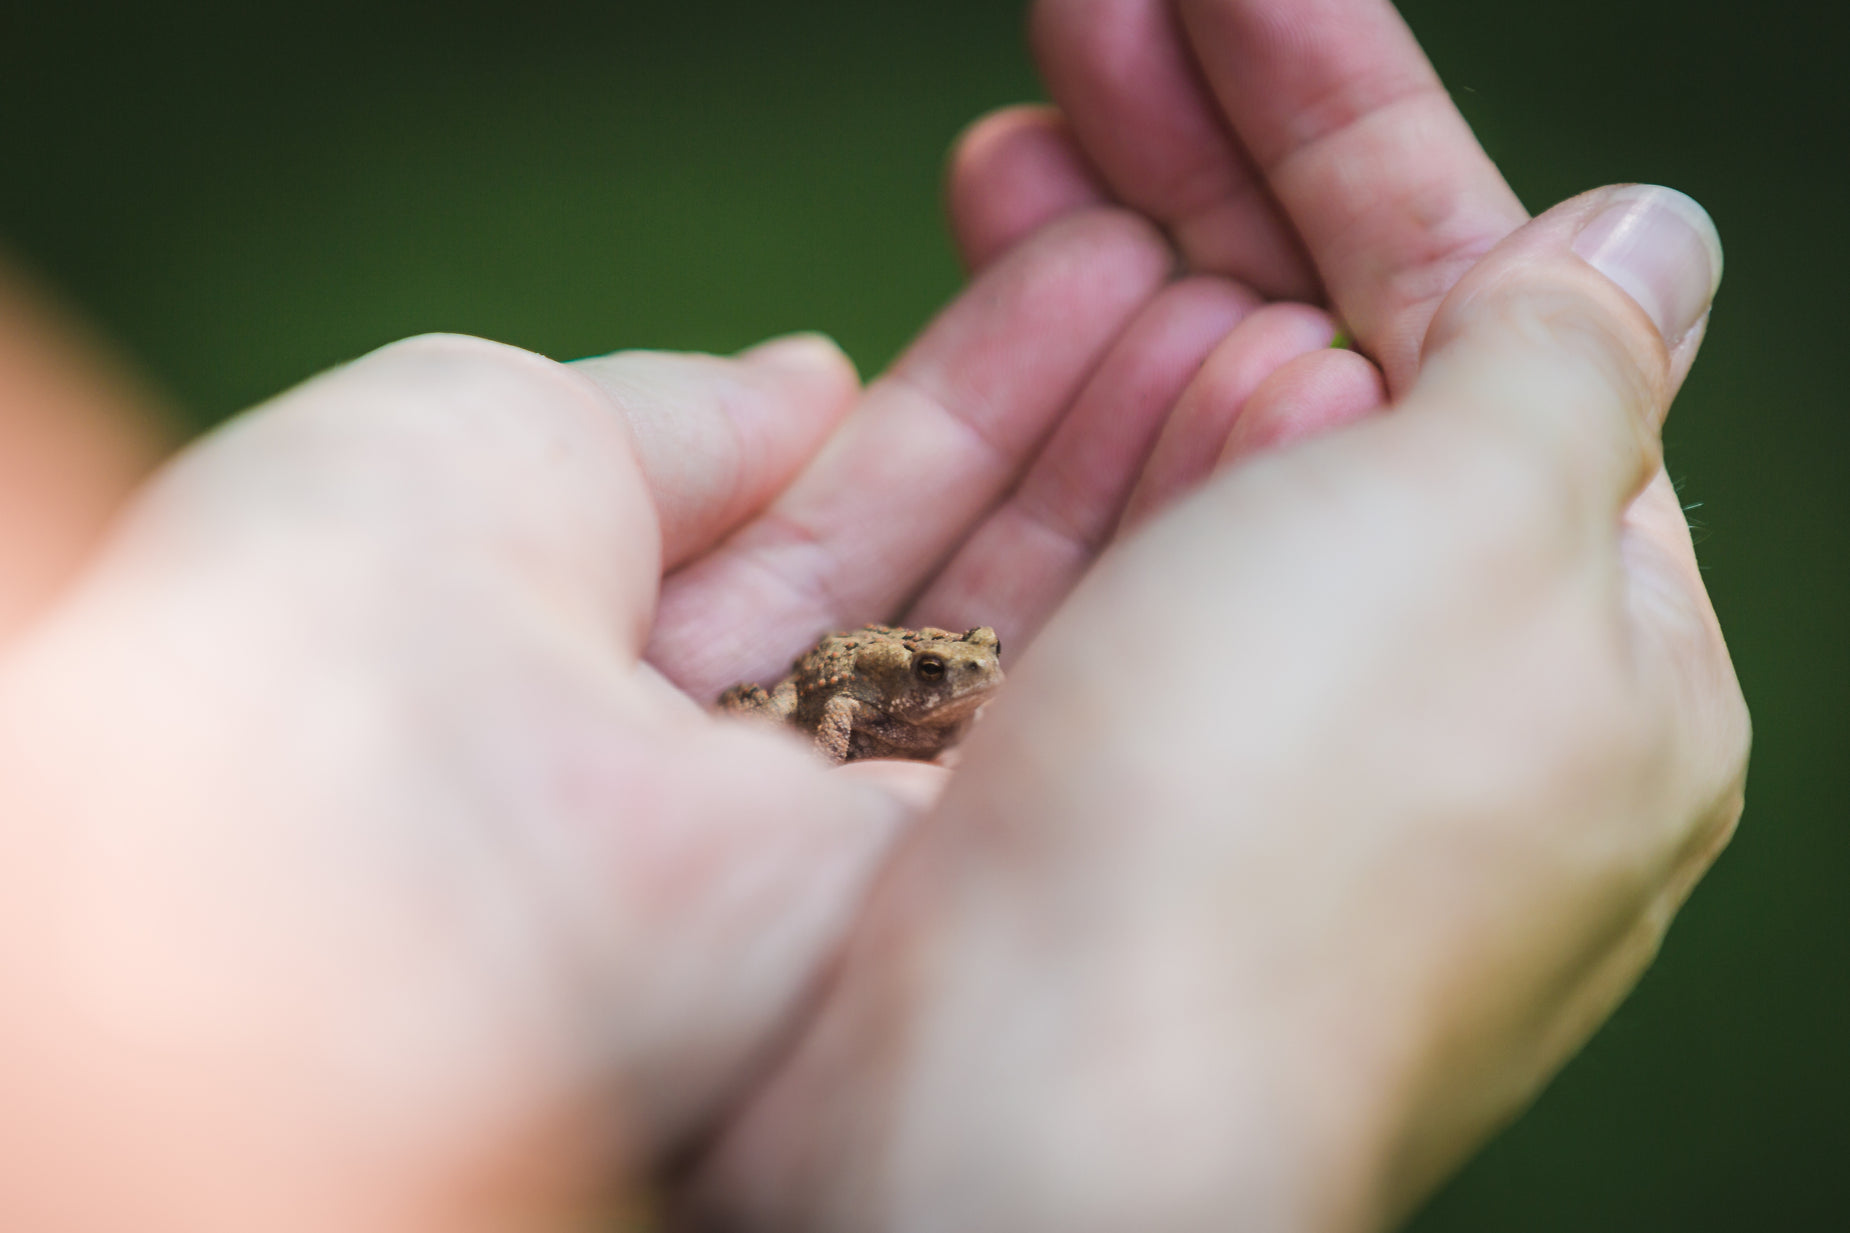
(929, 667)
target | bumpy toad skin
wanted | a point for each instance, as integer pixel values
(881, 692)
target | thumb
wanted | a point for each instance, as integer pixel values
(440, 461)
(1562, 348)
(718, 438)
(1561, 351)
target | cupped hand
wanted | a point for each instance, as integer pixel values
(1336, 809)
(359, 874)
(1321, 825)
(374, 744)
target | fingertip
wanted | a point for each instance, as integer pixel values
(1563, 347)
(1012, 172)
(1662, 248)
(808, 356)
(1196, 432)
(1636, 266)
(1314, 393)
(718, 438)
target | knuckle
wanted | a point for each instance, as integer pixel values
(452, 359)
(1619, 356)
(452, 364)
(1565, 367)
(458, 374)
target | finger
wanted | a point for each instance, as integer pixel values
(1555, 360)
(1361, 145)
(1548, 373)
(77, 433)
(1013, 172)
(933, 445)
(718, 438)
(1120, 73)
(1031, 551)
(397, 603)
(1314, 393)
(1212, 403)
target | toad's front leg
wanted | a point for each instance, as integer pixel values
(836, 727)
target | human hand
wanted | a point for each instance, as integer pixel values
(1328, 818)
(1213, 975)
(404, 849)
(77, 433)
(353, 858)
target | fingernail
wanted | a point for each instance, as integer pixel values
(1661, 247)
(806, 352)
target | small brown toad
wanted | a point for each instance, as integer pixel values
(881, 692)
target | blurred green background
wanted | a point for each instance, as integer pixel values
(244, 194)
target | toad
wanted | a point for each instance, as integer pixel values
(881, 691)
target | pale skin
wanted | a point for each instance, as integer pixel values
(78, 432)
(373, 864)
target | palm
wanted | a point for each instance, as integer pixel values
(1075, 387)
(968, 484)
(978, 479)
